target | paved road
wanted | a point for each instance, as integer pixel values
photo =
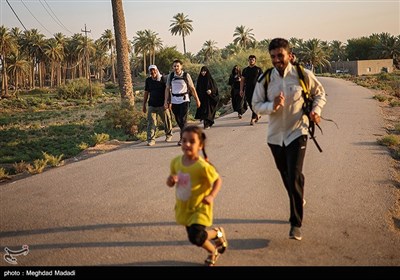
(115, 209)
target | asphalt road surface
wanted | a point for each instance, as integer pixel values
(115, 208)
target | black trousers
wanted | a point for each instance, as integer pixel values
(249, 97)
(181, 112)
(289, 161)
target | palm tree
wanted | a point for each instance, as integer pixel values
(109, 41)
(124, 72)
(314, 52)
(153, 43)
(209, 49)
(61, 41)
(337, 50)
(54, 52)
(243, 36)
(387, 47)
(181, 25)
(7, 45)
(32, 43)
(139, 42)
(18, 67)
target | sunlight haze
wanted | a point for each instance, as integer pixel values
(212, 20)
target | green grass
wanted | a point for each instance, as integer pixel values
(59, 128)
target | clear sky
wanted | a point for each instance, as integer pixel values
(212, 20)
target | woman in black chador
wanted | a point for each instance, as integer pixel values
(208, 94)
(238, 102)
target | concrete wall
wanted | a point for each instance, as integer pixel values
(362, 67)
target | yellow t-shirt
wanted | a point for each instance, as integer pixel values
(194, 183)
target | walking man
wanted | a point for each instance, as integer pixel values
(248, 82)
(288, 125)
(154, 91)
(177, 93)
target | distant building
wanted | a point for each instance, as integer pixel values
(362, 67)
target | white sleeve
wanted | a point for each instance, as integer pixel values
(260, 106)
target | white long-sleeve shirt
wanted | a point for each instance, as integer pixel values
(288, 122)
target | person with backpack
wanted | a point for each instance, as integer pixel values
(280, 94)
(207, 89)
(178, 89)
(154, 91)
(248, 82)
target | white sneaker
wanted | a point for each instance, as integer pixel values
(168, 138)
(151, 143)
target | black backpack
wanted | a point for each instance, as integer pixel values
(308, 100)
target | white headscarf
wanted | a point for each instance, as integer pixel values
(158, 72)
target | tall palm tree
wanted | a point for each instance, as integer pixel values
(32, 43)
(124, 72)
(18, 68)
(109, 41)
(7, 45)
(337, 50)
(140, 44)
(314, 52)
(181, 25)
(153, 43)
(209, 49)
(243, 36)
(388, 46)
(54, 52)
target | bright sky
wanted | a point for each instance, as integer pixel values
(212, 20)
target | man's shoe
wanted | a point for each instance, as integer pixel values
(168, 138)
(151, 143)
(239, 116)
(295, 233)
(180, 142)
(252, 121)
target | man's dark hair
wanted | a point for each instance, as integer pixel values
(177, 61)
(252, 56)
(279, 43)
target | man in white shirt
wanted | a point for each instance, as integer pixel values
(288, 125)
(177, 93)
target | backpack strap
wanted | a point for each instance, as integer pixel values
(307, 105)
(267, 76)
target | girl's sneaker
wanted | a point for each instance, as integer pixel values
(212, 258)
(221, 243)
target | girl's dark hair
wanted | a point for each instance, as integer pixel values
(238, 68)
(202, 136)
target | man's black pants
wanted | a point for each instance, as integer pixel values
(289, 161)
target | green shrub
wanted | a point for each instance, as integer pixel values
(3, 174)
(38, 166)
(83, 146)
(124, 117)
(389, 140)
(100, 138)
(380, 97)
(53, 160)
(79, 89)
(20, 167)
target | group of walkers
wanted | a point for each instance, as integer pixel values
(279, 93)
(173, 94)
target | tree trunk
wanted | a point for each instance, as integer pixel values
(124, 73)
(112, 65)
(184, 44)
